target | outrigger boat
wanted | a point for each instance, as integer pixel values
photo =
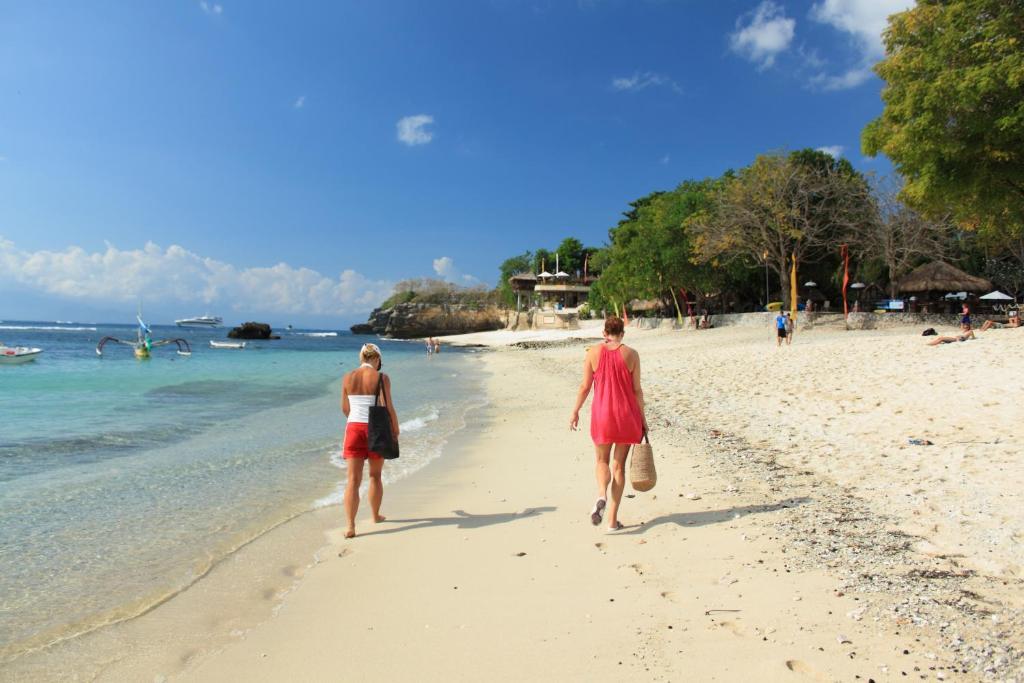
(15, 355)
(227, 345)
(144, 343)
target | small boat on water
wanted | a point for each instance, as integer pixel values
(226, 345)
(201, 321)
(15, 355)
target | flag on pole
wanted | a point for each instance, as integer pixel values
(792, 289)
(844, 253)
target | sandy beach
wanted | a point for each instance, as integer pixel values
(794, 534)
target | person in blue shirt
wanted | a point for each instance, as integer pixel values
(780, 329)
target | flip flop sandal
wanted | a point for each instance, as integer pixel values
(598, 512)
(618, 527)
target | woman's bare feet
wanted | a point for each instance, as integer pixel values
(377, 519)
(351, 533)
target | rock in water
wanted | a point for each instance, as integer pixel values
(252, 330)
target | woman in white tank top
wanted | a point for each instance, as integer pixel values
(358, 392)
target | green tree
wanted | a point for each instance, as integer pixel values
(953, 122)
(570, 255)
(651, 252)
(783, 207)
(543, 259)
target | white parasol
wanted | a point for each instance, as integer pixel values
(996, 296)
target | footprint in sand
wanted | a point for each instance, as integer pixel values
(733, 628)
(796, 666)
(293, 571)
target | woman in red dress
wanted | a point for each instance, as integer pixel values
(617, 419)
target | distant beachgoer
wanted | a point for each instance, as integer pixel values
(790, 327)
(705, 320)
(437, 346)
(430, 345)
(358, 393)
(949, 340)
(780, 329)
(1013, 320)
(617, 419)
(965, 316)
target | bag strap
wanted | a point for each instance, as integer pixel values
(646, 440)
(380, 389)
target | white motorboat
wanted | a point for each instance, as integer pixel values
(201, 321)
(226, 345)
(13, 355)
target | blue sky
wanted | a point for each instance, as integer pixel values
(293, 160)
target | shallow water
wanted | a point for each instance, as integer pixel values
(123, 481)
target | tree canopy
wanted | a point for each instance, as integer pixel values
(783, 207)
(953, 122)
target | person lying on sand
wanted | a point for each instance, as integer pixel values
(1012, 321)
(949, 340)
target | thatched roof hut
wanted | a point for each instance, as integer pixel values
(941, 277)
(523, 282)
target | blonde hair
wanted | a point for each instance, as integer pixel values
(369, 352)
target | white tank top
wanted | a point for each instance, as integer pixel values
(359, 407)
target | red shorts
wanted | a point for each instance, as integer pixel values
(355, 442)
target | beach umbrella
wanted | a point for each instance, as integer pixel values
(561, 273)
(544, 274)
(858, 285)
(810, 283)
(996, 296)
(962, 296)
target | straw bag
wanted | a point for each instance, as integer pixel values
(642, 474)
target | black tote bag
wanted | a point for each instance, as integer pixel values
(380, 439)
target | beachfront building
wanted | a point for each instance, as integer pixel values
(938, 287)
(552, 299)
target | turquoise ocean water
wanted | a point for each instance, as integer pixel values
(123, 481)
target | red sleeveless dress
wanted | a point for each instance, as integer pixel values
(614, 414)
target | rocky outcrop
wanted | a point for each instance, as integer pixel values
(252, 330)
(411, 321)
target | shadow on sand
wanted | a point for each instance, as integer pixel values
(461, 520)
(692, 519)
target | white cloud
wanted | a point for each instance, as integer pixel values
(177, 276)
(300, 102)
(665, 159)
(834, 151)
(445, 269)
(763, 34)
(640, 81)
(444, 266)
(211, 7)
(412, 129)
(864, 21)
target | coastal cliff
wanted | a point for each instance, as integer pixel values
(414, 320)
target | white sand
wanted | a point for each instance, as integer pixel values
(735, 568)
